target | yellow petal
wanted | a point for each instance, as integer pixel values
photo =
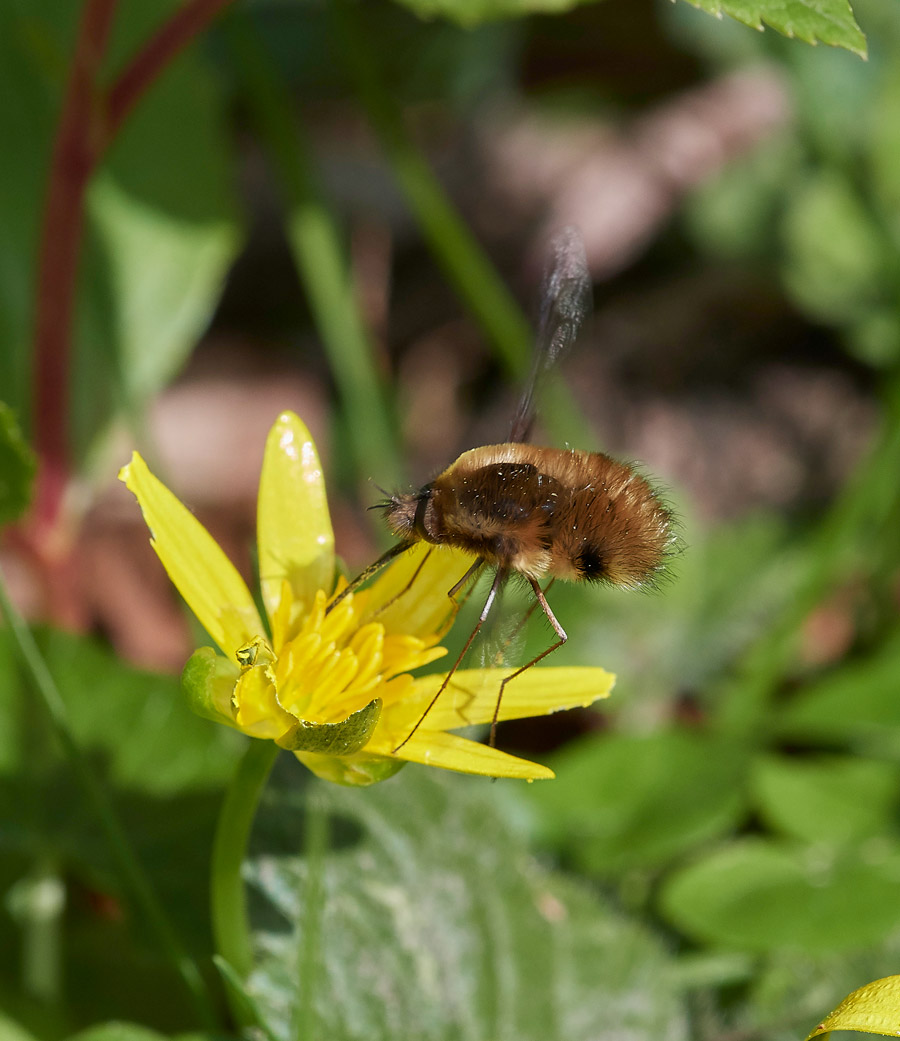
(294, 535)
(204, 576)
(410, 595)
(471, 696)
(450, 752)
(257, 711)
(873, 1009)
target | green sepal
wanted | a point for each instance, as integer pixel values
(333, 739)
(208, 680)
(354, 771)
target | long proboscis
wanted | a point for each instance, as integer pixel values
(565, 300)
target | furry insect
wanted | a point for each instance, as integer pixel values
(542, 513)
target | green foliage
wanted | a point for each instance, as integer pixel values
(162, 225)
(733, 829)
(490, 944)
(764, 896)
(16, 468)
(815, 21)
(825, 21)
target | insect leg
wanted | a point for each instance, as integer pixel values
(560, 632)
(372, 569)
(520, 625)
(499, 579)
(471, 573)
(405, 589)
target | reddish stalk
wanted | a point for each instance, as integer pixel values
(79, 141)
(90, 119)
(184, 25)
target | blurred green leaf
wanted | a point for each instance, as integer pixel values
(621, 801)
(858, 703)
(10, 1030)
(120, 1031)
(434, 923)
(835, 252)
(17, 466)
(161, 226)
(826, 21)
(137, 720)
(470, 13)
(761, 896)
(827, 798)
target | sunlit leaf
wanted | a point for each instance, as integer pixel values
(873, 1009)
(434, 923)
(825, 21)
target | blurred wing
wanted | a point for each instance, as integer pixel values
(565, 300)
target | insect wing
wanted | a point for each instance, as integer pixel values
(565, 301)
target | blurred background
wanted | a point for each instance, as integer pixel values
(344, 210)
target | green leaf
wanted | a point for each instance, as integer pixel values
(830, 798)
(432, 922)
(120, 1031)
(10, 1030)
(836, 256)
(621, 801)
(161, 226)
(763, 896)
(138, 720)
(856, 704)
(17, 467)
(825, 21)
(470, 13)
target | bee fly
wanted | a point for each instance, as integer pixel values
(542, 513)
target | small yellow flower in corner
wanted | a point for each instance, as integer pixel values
(335, 687)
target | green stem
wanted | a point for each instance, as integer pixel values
(462, 260)
(459, 255)
(129, 868)
(310, 937)
(231, 928)
(316, 243)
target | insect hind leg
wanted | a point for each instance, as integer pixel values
(541, 600)
(499, 579)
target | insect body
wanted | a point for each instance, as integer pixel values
(541, 513)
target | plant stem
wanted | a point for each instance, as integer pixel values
(128, 866)
(459, 255)
(315, 240)
(90, 120)
(144, 68)
(80, 139)
(309, 939)
(231, 929)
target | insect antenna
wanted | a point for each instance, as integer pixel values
(565, 300)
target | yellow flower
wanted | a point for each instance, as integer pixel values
(335, 688)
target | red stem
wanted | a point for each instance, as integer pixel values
(142, 71)
(89, 121)
(79, 141)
